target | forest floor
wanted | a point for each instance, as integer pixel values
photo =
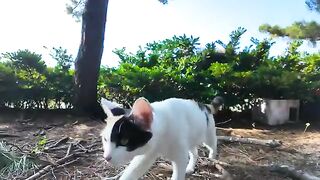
(300, 150)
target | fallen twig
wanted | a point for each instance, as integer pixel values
(69, 149)
(4, 135)
(207, 161)
(55, 148)
(165, 166)
(225, 175)
(68, 163)
(224, 122)
(293, 173)
(271, 143)
(47, 168)
(198, 175)
(259, 158)
(62, 140)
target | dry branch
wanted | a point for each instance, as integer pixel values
(224, 122)
(69, 150)
(47, 168)
(224, 173)
(61, 141)
(271, 143)
(4, 135)
(293, 173)
(78, 150)
(204, 161)
(68, 163)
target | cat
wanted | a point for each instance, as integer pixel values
(172, 128)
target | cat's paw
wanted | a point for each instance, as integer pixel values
(212, 155)
(189, 170)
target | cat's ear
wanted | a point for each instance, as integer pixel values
(218, 103)
(111, 108)
(142, 112)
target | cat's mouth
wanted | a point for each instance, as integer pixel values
(118, 161)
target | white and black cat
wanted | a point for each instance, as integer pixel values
(172, 128)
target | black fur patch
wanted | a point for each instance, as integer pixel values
(203, 107)
(117, 111)
(126, 133)
(207, 118)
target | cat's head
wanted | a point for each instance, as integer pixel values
(126, 136)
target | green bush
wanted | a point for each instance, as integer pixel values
(175, 67)
(26, 82)
(178, 67)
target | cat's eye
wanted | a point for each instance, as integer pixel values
(124, 141)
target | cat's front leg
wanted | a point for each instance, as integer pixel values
(138, 167)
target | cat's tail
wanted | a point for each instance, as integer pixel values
(216, 104)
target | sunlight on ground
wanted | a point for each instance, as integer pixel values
(4, 126)
(82, 130)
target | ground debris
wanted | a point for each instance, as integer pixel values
(293, 173)
(241, 160)
(271, 143)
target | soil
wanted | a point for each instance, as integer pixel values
(300, 149)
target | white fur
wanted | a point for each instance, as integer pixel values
(178, 127)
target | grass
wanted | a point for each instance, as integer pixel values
(14, 164)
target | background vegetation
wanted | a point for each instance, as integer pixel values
(26, 82)
(175, 67)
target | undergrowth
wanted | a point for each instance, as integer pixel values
(14, 164)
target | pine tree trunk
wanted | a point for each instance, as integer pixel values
(88, 60)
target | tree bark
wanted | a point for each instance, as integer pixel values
(87, 63)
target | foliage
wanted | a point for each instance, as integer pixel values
(75, 8)
(42, 141)
(26, 82)
(12, 164)
(313, 5)
(298, 30)
(174, 67)
(178, 67)
(161, 70)
(164, 1)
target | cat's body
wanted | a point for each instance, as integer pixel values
(172, 128)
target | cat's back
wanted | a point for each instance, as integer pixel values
(177, 110)
(179, 120)
(171, 104)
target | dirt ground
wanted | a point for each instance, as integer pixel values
(300, 149)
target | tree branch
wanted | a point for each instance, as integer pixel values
(293, 173)
(271, 143)
(47, 168)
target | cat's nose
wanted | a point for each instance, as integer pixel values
(108, 158)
